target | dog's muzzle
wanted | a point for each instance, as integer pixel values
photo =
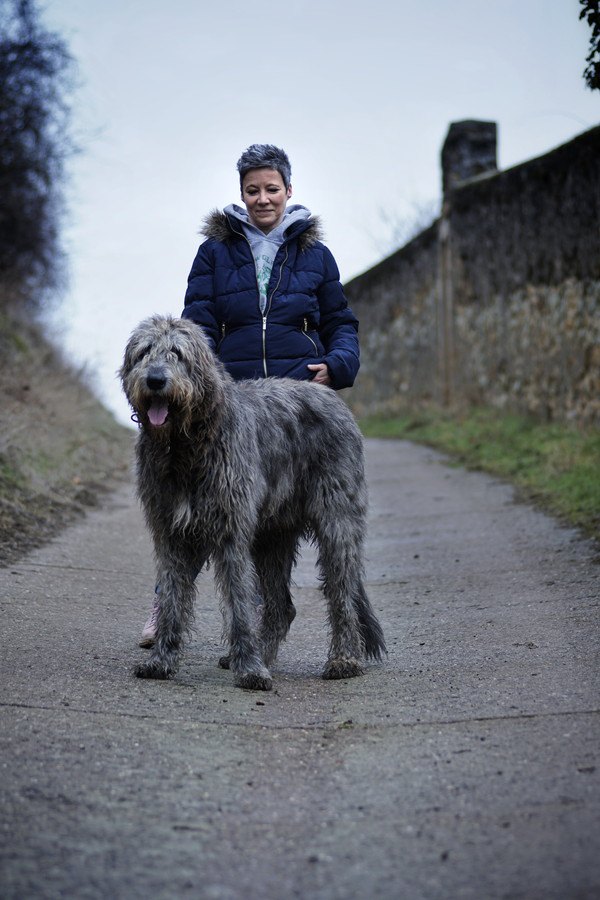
(156, 381)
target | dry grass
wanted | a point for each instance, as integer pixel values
(60, 449)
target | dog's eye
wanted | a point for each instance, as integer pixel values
(177, 353)
(142, 353)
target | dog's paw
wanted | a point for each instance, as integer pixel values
(254, 681)
(153, 669)
(342, 668)
(224, 661)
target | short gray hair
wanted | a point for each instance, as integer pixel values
(265, 156)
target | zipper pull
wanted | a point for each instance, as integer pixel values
(305, 324)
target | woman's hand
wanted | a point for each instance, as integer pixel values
(321, 373)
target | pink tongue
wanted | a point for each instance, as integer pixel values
(158, 414)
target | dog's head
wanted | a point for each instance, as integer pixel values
(170, 375)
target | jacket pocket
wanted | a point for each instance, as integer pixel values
(315, 344)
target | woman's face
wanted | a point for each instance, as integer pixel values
(265, 196)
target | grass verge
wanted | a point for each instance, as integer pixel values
(61, 451)
(554, 465)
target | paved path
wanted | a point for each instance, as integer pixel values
(466, 766)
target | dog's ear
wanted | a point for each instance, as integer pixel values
(126, 364)
(207, 376)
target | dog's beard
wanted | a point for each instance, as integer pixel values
(165, 415)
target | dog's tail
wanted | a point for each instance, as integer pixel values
(370, 630)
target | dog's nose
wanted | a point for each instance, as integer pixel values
(156, 379)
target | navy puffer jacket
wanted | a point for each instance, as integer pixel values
(307, 319)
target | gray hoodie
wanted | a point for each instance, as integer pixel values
(265, 246)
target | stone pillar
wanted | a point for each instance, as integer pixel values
(445, 315)
(469, 150)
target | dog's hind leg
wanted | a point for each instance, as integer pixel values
(236, 578)
(175, 585)
(355, 630)
(274, 557)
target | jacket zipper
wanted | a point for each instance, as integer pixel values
(268, 309)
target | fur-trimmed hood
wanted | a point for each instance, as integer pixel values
(220, 227)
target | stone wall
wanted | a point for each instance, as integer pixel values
(498, 302)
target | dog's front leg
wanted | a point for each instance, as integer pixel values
(236, 578)
(175, 587)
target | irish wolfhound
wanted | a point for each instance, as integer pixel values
(237, 473)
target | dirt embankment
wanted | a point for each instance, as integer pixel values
(60, 449)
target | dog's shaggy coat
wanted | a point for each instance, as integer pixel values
(237, 473)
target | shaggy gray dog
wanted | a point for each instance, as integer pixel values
(237, 473)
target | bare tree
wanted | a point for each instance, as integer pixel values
(35, 84)
(401, 226)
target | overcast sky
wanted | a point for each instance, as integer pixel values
(360, 95)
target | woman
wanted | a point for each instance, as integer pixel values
(267, 291)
